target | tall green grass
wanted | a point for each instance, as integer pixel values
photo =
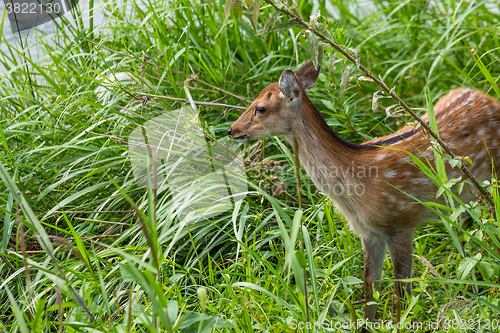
(84, 248)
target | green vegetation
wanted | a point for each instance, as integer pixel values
(64, 160)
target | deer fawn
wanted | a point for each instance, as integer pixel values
(375, 207)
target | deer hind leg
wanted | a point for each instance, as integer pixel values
(374, 249)
(401, 249)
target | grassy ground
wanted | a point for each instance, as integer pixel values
(66, 172)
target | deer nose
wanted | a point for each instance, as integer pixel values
(229, 132)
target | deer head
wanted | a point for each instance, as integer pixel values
(277, 108)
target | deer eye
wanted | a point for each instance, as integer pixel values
(260, 110)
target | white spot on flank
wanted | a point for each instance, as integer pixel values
(390, 174)
(480, 155)
(421, 181)
(403, 207)
(428, 154)
(391, 198)
(491, 115)
(457, 96)
(380, 157)
(471, 98)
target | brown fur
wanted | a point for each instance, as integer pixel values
(382, 215)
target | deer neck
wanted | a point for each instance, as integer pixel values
(335, 166)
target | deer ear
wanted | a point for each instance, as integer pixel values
(289, 85)
(308, 75)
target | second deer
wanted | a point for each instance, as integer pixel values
(369, 183)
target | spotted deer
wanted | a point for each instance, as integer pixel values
(377, 207)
